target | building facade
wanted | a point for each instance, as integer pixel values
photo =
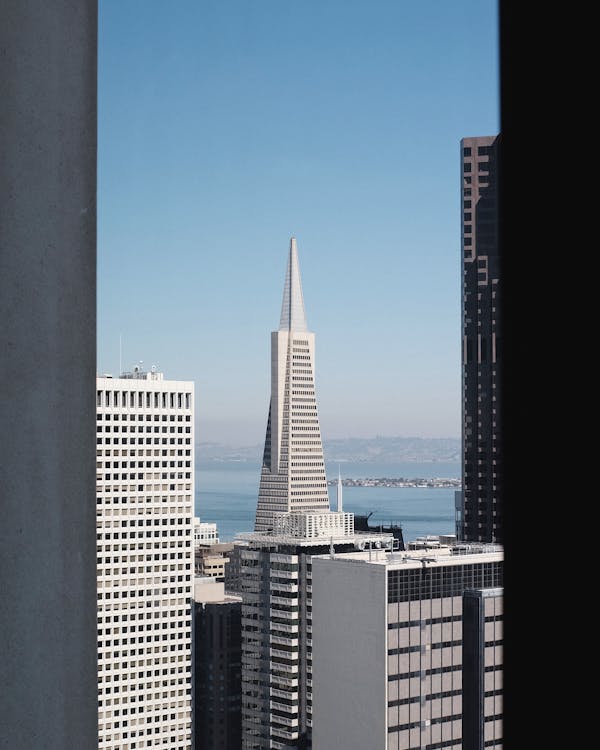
(205, 533)
(483, 637)
(389, 639)
(478, 512)
(212, 559)
(217, 667)
(277, 583)
(145, 495)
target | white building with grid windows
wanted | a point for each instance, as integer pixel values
(145, 496)
(205, 533)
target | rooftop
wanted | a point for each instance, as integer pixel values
(444, 555)
(361, 540)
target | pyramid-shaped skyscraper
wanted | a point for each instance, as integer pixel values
(293, 470)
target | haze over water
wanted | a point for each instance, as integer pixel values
(227, 491)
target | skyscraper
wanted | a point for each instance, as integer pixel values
(293, 471)
(217, 667)
(479, 514)
(145, 493)
(293, 523)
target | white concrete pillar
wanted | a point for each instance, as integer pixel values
(48, 680)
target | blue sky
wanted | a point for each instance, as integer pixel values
(224, 128)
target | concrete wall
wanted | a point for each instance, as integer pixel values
(349, 655)
(48, 680)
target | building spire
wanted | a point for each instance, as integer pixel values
(293, 317)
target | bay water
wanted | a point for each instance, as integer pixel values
(227, 493)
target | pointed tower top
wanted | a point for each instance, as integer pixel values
(293, 317)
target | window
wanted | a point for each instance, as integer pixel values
(467, 151)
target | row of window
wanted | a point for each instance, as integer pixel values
(148, 428)
(142, 615)
(185, 634)
(140, 464)
(144, 487)
(143, 399)
(142, 709)
(140, 509)
(142, 441)
(131, 452)
(424, 672)
(142, 475)
(481, 150)
(136, 745)
(426, 696)
(427, 621)
(122, 417)
(164, 648)
(415, 649)
(482, 166)
(140, 628)
(442, 581)
(415, 724)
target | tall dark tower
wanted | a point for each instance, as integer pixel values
(479, 513)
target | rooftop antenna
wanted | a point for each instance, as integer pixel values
(120, 357)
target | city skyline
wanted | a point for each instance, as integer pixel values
(223, 132)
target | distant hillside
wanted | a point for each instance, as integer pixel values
(393, 449)
(370, 450)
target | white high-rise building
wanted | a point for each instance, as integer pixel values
(145, 496)
(293, 523)
(293, 471)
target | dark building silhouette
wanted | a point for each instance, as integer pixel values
(233, 568)
(217, 670)
(479, 513)
(361, 523)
